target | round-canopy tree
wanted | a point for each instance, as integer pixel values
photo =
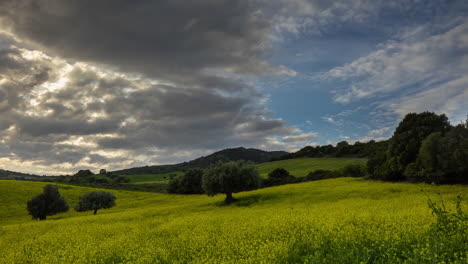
(229, 178)
(95, 200)
(48, 203)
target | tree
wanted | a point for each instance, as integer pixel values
(443, 159)
(83, 173)
(95, 200)
(102, 171)
(188, 183)
(404, 145)
(277, 177)
(229, 178)
(48, 203)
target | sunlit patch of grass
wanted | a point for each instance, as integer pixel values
(302, 166)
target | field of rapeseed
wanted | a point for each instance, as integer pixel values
(345, 220)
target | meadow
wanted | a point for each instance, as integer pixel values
(152, 178)
(299, 167)
(344, 220)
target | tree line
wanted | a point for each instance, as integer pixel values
(425, 147)
(236, 176)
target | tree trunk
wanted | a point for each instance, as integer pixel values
(229, 199)
(95, 211)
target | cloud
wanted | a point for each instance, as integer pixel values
(331, 120)
(450, 98)
(173, 40)
(399, 65)
(58, 116)
(299, 138)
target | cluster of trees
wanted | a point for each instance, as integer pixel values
(237, 176)
(103, 178)
(50, 202)
(342, 149)
(425, 147)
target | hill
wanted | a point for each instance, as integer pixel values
(233, 154)
(13, 175)
(299, 167)
(345, 220)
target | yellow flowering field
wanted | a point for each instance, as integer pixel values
(345, 220)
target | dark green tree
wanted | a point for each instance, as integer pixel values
(188, 183)
(279, 176)
(48, 203)
(442, 159)
(406, 141)
(95, 200)
(229, 178)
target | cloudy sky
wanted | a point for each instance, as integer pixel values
(119, 83)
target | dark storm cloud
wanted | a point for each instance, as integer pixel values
(172, 39)
(81, 116)
(132, 82)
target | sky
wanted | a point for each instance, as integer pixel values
(116, 84)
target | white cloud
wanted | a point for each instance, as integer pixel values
(407, 64)
(299, 138)
(450, 98)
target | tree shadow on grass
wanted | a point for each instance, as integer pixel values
(254, 199)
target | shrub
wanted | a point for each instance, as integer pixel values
(48, 203)
(188, 183)
(278, 177)
(354, 170)
(95, 200)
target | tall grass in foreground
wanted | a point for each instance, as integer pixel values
(344, 220)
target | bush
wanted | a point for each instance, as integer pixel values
(354, 170)
(188, 183)
(229, 178)
(321, 175)
(279, 176)
(121, 179)
(48, 203)
(95, 200)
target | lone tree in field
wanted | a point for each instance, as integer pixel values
(95, 200)
(48, 203)
(229, 178)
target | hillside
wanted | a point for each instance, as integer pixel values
(345, 220)
(254, 155)
(12, 175)
(299, 167)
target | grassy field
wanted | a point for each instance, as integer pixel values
(297, 167)
(345, 220)
(152, 178)
(302, 166)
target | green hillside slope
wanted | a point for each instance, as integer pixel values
(345, 220)
(299, 167)
(302, 166)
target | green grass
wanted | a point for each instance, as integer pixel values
(302, 166)
(344, 220)
(297, 167)
(152, 178)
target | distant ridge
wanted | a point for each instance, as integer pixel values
(232, 154)
(12, 175)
